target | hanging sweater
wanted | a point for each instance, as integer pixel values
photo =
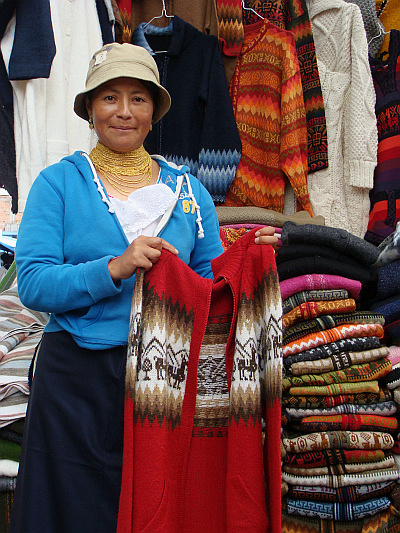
(385, 195)
(340, 192)
(292, 15)
(199, 130)
(203, 369)
(268, 103)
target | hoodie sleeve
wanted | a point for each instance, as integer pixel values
(45, 282)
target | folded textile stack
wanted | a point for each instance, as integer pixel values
(339, 420)
(20, 333)
(384, 297)
(235, 222)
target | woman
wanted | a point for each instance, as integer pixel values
(90, 222)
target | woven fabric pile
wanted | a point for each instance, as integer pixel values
(384, 297)
(339, 417)
(20, 332)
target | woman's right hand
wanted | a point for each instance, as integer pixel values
(143, 252)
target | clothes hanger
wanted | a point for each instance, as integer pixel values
(163, 14)
(251, 9)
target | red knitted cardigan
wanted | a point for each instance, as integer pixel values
(204, 368)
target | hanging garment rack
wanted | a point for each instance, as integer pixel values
(251, 9)
(163, 14)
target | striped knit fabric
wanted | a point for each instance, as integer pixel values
(335, 389)
(292, 15)
(268, 104)
(330, 321)
(330, 335)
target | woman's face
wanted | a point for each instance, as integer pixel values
(122, 110)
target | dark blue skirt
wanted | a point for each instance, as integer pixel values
(70, 470)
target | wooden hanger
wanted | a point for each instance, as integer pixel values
(251, 9)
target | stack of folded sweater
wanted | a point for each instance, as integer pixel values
(384, 297)
(338, 418)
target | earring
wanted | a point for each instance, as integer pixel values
(91, 126)
(151, 126)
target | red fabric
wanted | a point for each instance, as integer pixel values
(180, 475)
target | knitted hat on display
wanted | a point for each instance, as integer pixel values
(125, 60)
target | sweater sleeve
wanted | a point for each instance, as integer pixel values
(361, 133)
(220, 141)
(293, 150)
(45, 281)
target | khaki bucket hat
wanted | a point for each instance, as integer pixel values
(126, 60)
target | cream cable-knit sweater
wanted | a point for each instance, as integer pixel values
(340, 192)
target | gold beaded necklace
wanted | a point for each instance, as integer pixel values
(114, 166)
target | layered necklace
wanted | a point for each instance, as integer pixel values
(119, 167)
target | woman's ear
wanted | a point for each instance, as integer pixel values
(88, 104)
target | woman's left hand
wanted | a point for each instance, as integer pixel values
(266, 235)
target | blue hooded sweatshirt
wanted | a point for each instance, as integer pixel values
(69, 232)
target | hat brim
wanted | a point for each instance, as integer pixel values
(161, 106)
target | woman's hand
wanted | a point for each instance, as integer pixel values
(266, 235)
(143, 252)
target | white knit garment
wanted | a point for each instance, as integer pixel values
(340, 192)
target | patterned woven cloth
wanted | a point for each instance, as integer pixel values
(338, 470)
(353, 493)
(344, 331)
(370, 371)
(313, 295)
(330, 321)
(338, 511)
(350, 422)
(371, 395)
(324, 351)
(335, 389)
(337, 362)
(384, 522)
(357, 440)
(308, 310)
(380, 409)
(334, 456)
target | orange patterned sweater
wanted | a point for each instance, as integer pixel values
(268, 103)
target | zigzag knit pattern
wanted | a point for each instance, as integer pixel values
(292, 15)
(268, 104)
(215, 169)
(230, 26)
